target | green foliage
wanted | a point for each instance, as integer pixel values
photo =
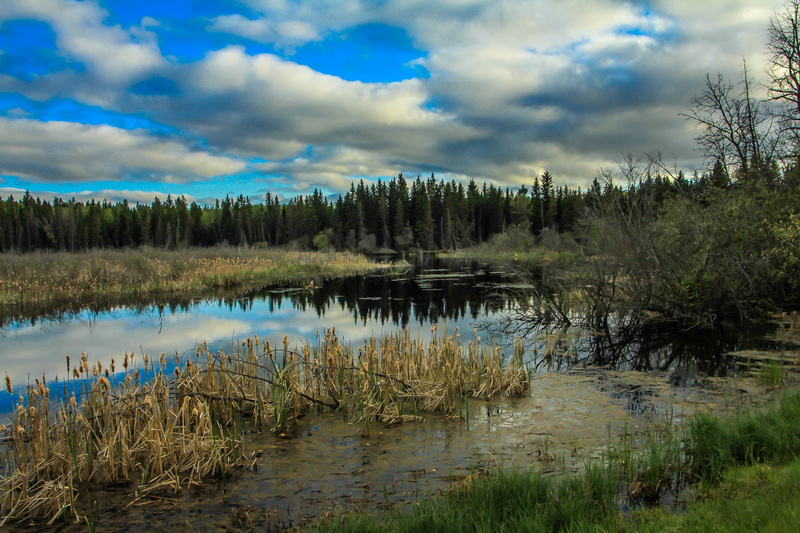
(695, 255)
(755, 498)
(771, 374)
(433, 214)
(323, 240)
(748, 438)
(505, 500)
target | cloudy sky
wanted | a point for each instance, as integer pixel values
(129, 99)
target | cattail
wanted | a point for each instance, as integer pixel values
(162, 361)
(113, 366)
(125, 362)
(75, 373)
(8, 386)
(68, 358)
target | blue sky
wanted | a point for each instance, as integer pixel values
(119, 99)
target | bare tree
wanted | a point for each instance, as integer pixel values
(783, 67)
(736, 129)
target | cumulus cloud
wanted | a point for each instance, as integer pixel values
(113, 54)
(285, 33)
(514, 87)
(264, 106)
(528, 85)
(111, 195)
(67, 151)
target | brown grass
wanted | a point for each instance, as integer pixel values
(167, 434)
(45, 277)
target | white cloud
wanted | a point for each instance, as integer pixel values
(67, 151)
(519, 85)
(283, 33)
(111, 195)
(115, 55)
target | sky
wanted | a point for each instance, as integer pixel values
(121, 99)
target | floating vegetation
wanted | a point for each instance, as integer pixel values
(166, 434)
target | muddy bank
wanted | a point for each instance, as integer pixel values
(326, 467)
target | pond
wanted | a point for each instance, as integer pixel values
(585, 389)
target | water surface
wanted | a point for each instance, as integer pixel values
(586, 389)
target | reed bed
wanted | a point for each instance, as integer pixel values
(36, 278)
(167, 434)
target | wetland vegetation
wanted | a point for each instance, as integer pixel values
(644, 251)
(745, 468)
(37, 279)
(169, 433)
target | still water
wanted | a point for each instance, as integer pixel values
(466, 295)
(588, 390)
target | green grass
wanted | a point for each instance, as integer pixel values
(771, 374)
(504, 500)
(752, 498)
(746, 470)
(771, 434)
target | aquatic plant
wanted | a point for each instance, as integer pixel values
(168, 434)
(772, 374)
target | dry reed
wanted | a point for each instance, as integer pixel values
(167, 434)
(36, 278)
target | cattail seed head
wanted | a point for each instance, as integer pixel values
(8, 385)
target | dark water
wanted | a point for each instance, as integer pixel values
(585, 390)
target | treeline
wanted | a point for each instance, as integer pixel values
(395, 214)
